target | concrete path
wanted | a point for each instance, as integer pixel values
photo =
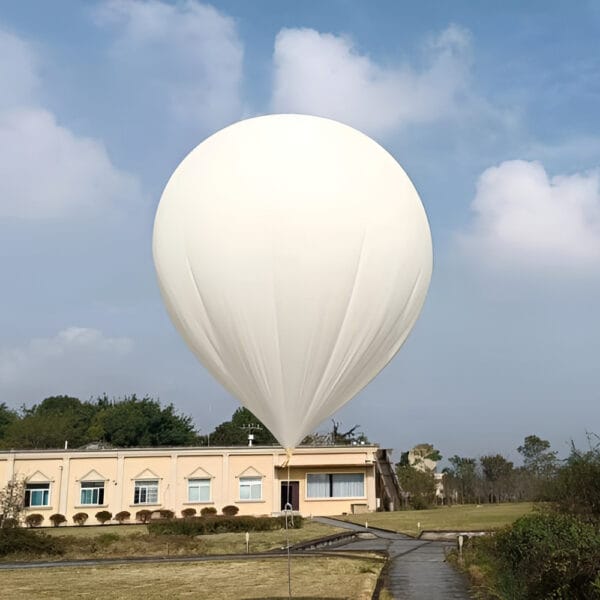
(417, 568)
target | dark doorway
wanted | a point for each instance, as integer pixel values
(290, 492)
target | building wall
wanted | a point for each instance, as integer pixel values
(65, 470)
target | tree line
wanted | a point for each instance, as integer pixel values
(130, 421)
(487, 479)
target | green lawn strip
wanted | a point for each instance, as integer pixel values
(469, 517)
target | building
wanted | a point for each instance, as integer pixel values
(322, 480)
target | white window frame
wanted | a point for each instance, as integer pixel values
(148, 488)
(92, 486)
(331, 483)
(199, 484)
(251, 484)
(37, 487)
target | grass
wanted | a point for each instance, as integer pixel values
(127, 541)
(313, 577)
(469, 517)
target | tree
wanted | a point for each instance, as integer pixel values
(576, 489)
(7, 418)
(132, 422)
(418, 485)
(497, 472)
(11, 502)
(461, 478)
(123, 422)
(235, 432)
(538, 459)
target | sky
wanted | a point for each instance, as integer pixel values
(491, 108)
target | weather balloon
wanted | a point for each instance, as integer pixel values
(294, 256)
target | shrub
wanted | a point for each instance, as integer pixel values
(22, 541)
(80, 518)
(186, 513)
(143, 515)
(544, 556)
(220, 524)
(57, 519)
(230, 510)
(122, 516)
(166, 513)
(103, 516)
(34, 520)
(208, 511)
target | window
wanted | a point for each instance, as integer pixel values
(198, 490)
(37, 494)
(336, 485)
(250, 488)
(146, 492)
(92, 492)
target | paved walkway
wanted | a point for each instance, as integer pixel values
(417, 569)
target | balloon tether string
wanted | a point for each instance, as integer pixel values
(289, 515)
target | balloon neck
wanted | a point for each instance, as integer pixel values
(288, 457)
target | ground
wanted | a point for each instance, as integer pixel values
(314, 577)
(469, 517)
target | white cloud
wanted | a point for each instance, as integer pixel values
(189, 53)
(46, 170)
(74, 358)
(524, 218)
(324, 74)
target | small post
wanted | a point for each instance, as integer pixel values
(366, 524)
(247, 542)
(461, 541)
(419, 525)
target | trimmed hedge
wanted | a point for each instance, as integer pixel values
(208, 511)
(34, 520)
(204, 526)
(80, 518)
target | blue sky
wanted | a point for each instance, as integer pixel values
(491, 109)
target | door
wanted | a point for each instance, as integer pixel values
(290, 493)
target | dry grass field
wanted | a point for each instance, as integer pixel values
(313, 577)
(469, 517)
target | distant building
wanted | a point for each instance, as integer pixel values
(322, 480)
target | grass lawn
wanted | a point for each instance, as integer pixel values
(468, 517)
(134, 540)
(313, 577)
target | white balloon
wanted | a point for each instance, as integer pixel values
(294, 256)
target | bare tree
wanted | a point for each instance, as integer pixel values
(12, 498)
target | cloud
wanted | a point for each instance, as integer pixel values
(75, 358)
(46, 170)
(189, 54)
(325, 74)
(525, 219)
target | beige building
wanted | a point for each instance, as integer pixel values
(322, 480)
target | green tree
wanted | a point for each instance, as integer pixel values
(235, 432)
(576, 488)
(463, 472)
(418, 485)
(142, 422)
(497, 471)
(7, 418)
(50, 424)
(538, 459)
